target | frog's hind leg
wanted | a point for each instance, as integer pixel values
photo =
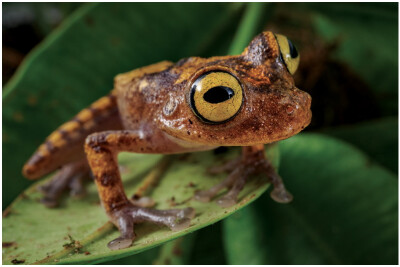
(253, 161)
(65, 144)
(71, 176)
(101, 150)
(64, 150)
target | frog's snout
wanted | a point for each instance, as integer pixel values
(304, 101)
(298, 110)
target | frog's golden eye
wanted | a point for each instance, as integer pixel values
(216, 97)
(289, 53)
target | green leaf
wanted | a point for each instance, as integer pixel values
(76, 64)
(378, 139)
(244, 238)
(344, 210)
(40, 232)
(199, 248)
(249, 27)
(176, 252)
(145, 258)
(208, 247)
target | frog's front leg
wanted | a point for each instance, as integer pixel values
(252, 162)
(101, 150)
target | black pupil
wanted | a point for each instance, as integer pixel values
(293, 50)
(218, 94)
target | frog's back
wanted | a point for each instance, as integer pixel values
(125, 78)
(141, 92)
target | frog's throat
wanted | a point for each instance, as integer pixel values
(189, 145)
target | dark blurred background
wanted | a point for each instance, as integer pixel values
(25, 25)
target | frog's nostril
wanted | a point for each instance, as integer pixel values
(290, 109)
(305, 100)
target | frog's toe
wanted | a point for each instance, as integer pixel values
(180, 225)
(230, 198)
(279, 192)
(43, 188)
(120, 243)
(203, 196)
(49, 202)
(77, 188)
(281, 195)
(175, 219)
(52, 191)
(207, 195)
(226, 201)
(189, 213)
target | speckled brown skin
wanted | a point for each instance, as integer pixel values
(154, 110)
(273, 108)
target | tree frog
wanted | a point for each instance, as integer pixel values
(196, 104)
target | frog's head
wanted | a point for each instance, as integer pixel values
(243, 100)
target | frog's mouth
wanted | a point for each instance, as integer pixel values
(285, 114)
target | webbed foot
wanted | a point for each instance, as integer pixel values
(69, 178)
(126, 217)
(252, 162)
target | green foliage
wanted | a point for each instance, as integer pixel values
(345, 205)
(344, 210)
(376, 138)
(81, 219)
(368, 42)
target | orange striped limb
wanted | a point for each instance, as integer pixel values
(64, 150)
(65, 144)
(102, 150)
